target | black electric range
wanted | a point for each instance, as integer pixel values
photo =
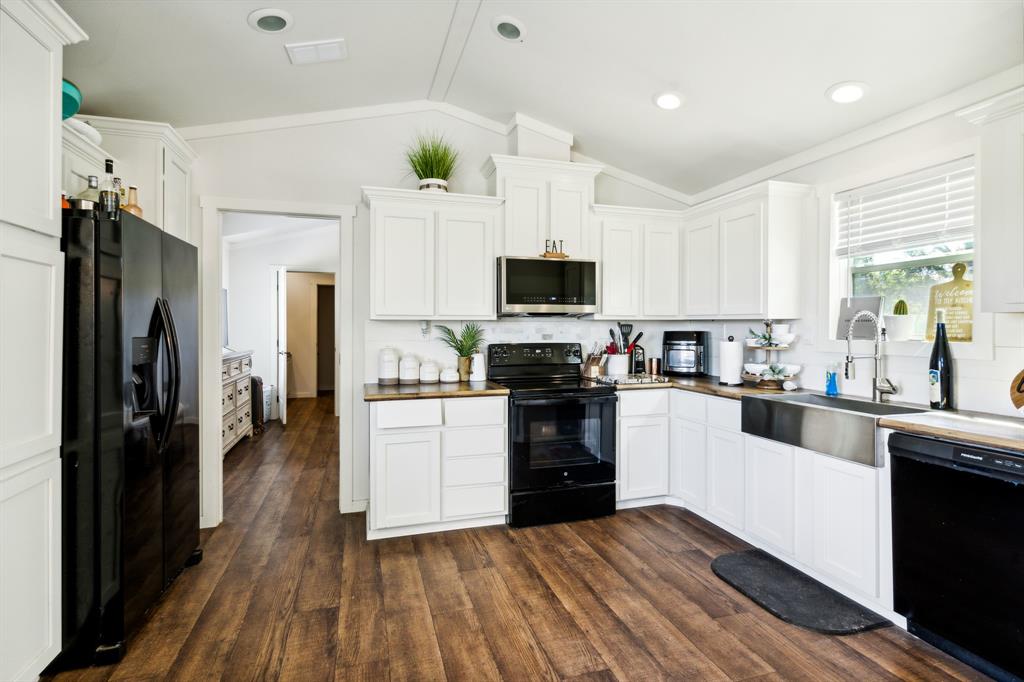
(561, 434)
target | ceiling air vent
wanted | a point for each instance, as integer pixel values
(317, 51)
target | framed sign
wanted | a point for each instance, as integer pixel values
(956, 298)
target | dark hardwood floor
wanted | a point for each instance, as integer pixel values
(291, 589)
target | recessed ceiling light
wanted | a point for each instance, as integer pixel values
(668, 100)
(846, 92)
(270, 20)
(509, 28)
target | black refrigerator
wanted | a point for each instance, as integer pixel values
(130, 450)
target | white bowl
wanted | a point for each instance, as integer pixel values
(784, 339)
(754, 368)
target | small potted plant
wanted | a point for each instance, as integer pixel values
(433, 161)
(900, 325)
(465, 343)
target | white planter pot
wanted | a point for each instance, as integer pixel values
(433, 185)
(899, 327)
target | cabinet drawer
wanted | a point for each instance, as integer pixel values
(242, 391)
(244, 418)
(246, 364)
(474, 411)
(475, 501)
(644, 402)
(686, 405)
(228, 428)
(486, 441)
(474, 470)
(225, 370)
(402, 414)
(724, 413)
(234, 368)
(227, 398)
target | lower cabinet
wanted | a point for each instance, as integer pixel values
(726, 479)
(407, 483)
(771, 493)
(688, 462)
(643, 453)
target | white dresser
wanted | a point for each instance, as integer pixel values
(236, 401)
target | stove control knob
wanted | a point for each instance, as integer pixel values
(576, 352)
(568, 352)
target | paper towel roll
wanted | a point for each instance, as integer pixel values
(730, 362)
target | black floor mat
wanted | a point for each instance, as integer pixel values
(795, 597)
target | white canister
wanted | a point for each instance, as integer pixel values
(617, 364)
(429, 372)
(409, 369)
(478, 368)
(450, 375)
(387, 366)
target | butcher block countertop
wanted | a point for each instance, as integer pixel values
(977, 428)
(374, 392)
(705, 385)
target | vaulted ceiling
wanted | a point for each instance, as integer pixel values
(753, 73)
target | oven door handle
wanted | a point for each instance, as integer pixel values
(564, 398)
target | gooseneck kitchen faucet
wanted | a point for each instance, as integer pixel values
(880, 386)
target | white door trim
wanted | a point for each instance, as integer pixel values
(211, 469)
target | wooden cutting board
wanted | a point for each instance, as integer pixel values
(1017, 391)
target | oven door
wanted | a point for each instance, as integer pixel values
(563, 440)
(544, 286)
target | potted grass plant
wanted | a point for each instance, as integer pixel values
(468, 341)
(433, 161)
(900, 325)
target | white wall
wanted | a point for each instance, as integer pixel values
(302, 316)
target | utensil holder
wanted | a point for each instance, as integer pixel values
(618, 364)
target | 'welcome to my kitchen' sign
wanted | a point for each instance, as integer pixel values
(956, 297)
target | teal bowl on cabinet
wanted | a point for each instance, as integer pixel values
(72, 99)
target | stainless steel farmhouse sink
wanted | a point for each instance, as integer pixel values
(841, 427)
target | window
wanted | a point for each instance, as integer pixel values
(899, 237)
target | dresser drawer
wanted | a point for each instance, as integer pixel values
(243, 417)
(246, 365)
(227, 398)
(644, 402)
(401, 414)
(234, 368)
(686, 405)
(242, 391)
(725, 414)
(228, 429)
(225, 371)
(475, 501)
(474, 411)
(486, 441)
(474, 470)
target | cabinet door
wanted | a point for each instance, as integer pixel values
(846, 522)
(725, 476)
(406, 479)
(620, 268)
(403, 262)
(175, 204)
(700, 267)
(30, 120)
(570, 217)
(742, 260)
(688, 462)
(661, 270)
(526, 216)
(643, 457)
(465, 265)
(771, 493)
(1002, 230)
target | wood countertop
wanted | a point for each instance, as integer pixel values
(705, 385)
(977, 428)
(374, 392)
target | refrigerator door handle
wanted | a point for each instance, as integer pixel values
(174, 368)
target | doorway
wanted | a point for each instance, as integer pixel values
(325, 344)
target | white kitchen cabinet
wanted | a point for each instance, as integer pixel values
(742, 253)
(643, 457)
(80, 159)
(432, 254)
(726, 478)
(158, 161)
(406, 487)
(640, 256)
(1000, 233)
(688, 462)
(845, 522)
(771, 493)
(544, 200)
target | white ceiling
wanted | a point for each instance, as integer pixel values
(753, 73)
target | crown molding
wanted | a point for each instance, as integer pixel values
(494, 161)
(523, 121)
(393, 194)
(56, 18)
(614, 210)
(144, 129)
(638, 181)
(768, 187)
(999, 107)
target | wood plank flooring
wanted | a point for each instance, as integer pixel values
(290, 589)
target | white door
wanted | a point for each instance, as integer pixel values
(725, 476)
(688, 463)
(660, 270)
(620, 268)
(406, 479)
(283, 356)
(700, 267)
(846, 522)
(465, 265)
(742, 274)
(403, 261)
(526, 216)
(570, 217)
(771, 493)
(643, 457)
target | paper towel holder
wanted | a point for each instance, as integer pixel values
(730, 376)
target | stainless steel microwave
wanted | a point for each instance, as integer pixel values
(547, 286)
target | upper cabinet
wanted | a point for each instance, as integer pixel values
(157, 160)
(81, 157)
(1000, 231)
(432, 254)
(742, 253)
(544, 201)
(640, 252)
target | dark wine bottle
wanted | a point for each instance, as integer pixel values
(940, 368)
(110, 197)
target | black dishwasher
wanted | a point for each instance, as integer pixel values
(958, 549)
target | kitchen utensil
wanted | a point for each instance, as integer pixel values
(450, 375)
(637, 356)
(409, 369)
(429, 372)
(625, 330)
(633, 345)
(478, 371)
(655, 369)
(387, 366)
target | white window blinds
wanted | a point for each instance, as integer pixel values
(928, 206)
